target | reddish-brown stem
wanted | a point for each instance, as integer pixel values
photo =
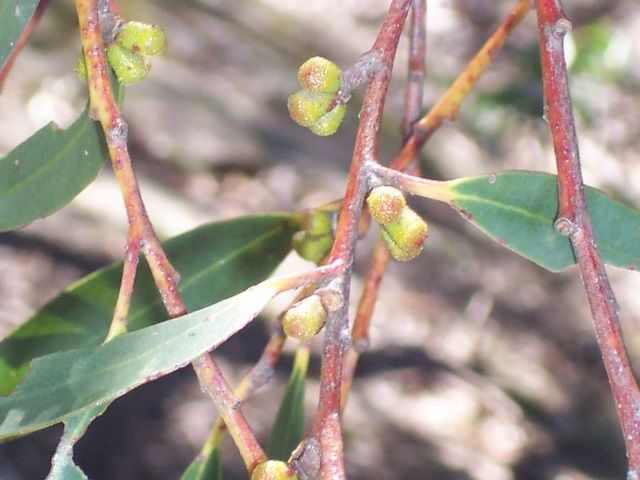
(119, 323)
(326, 426)
(22, 40)
(413, 104)
(574, 221)
(446, 107)
(215, 385)
(364, 313)
(413, 95)
(105, 109)
(449, 104)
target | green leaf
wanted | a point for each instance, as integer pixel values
(14, 16)
(65, 384)
(518, 209)
(46, 171)
(62, 465)
(208, 467)
(288, 427)
(215, 261)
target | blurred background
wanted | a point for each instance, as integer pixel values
(482, 365)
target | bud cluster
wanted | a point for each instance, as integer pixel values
(317, 105)
(315, 241)
(402, 229)
(127, 54)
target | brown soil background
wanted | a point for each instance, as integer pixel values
(482, 365)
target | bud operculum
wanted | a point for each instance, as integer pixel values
(319, 74)
(312, 248)
(142, 38)
(385, 204)
(305, 319)
(405, 235)
(129, 66)
(329, 123)
(81, 68)
(273, 470)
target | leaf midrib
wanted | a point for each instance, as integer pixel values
(50, 165)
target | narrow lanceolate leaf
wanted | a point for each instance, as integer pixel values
(63, 385)
(14, 16)
(288, 427)
(205, 467)
(46, 171)
(215, 261)
(518, 210)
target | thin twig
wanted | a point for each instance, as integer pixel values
(574, 221)
(326, 430)
(104, 108)
(413, 104)
(449, 104)
(446, 107)
(413, 95)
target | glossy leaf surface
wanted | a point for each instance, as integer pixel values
(288, 427)
(46, 171)
(518, 210)
(215, 261)
(90, 377)
(14, 16)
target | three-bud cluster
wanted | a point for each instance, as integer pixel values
(402, 229)
(317, 106)
(127, 54)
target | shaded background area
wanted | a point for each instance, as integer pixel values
(482, 365)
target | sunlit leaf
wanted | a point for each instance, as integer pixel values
(518, 210)
(215, 261)
(46, 171)
(65, 384)
(288, 427)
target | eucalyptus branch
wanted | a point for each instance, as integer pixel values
(104, 108)
(574, 222)
(326, 431)
(413, 104)
(446, 107)
(258, 376)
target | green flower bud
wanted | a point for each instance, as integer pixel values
(317, 223)
(142, 38)
(312, 248)
(304, 319)
(329, 122)
(320, 75)
(81, 68)
(128, 66)
(385, 204)
(405, 235)
(306, 108)
(273, 470)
